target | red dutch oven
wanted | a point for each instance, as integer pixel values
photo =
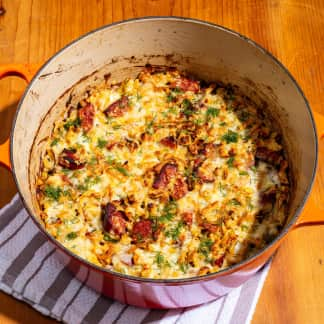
(205, 50)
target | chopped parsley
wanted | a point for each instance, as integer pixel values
(174, 232)
(170, 97)
(168, 212)
(212, 113)
(72, 123)
(122, 170)
(71, 236)
(235, 202)
(222, 124)
(117, 166)
(230, 162)
(187, 107)
(243, 173)
(230, 137)
(88, 182)
(101, 143)
(85, 138)
(205, 247)
(54, 142)
(198, 122)
(222, 189)
(184, 267)
(53, 193)
(177, 90)
(149, 126)
(108, 238)
(161, 261)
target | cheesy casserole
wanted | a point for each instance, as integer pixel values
(164, 176)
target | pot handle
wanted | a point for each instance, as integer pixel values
(26, 72)
(313, 214)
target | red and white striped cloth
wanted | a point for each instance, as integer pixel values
(31, 272)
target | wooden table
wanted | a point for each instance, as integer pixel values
(33, 30)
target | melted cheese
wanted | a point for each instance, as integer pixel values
(236, 198)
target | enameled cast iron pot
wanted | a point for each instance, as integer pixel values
(206, 50)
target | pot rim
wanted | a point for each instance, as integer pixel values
(178, 281)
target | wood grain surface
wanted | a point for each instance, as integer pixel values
(33, 30)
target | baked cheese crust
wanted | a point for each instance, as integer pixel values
(164, 176)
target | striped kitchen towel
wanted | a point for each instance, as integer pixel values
(31, 272)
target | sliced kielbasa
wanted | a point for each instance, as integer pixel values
(142, 230)
(118, 108)
(180, 189)
(164, 176)
(113, 220)
(187, 217)
(69, 160)
(186, 84)
(169, 141)
(86, 115)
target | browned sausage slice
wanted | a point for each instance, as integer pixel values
(113, 220)
(68, 160)
(163, 178)
(86, 115)
(118, 108)
(142, 230)
(180, 189)
(169, 141)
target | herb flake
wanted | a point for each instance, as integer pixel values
(230, 137)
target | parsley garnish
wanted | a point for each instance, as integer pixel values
(177, 90)
(186, 106)
(235, 202)
(175, 231)
(108, 238)
(122, 170)
(53, 193)
(184, 267)
(205, 247)
(230, 162)
(88, 182)
(212, 113)
(55, 141)
(86, 138)
(222, 189)
(230, 137)
(244, 227)
(170, 97)
(169, 211)
(161, 261)
(117, 166)
(101, 143)
(243, 173)
(72, 123)
(149, 126)
(71, 236)
(198, 122)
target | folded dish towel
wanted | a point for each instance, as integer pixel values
(31, 272)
